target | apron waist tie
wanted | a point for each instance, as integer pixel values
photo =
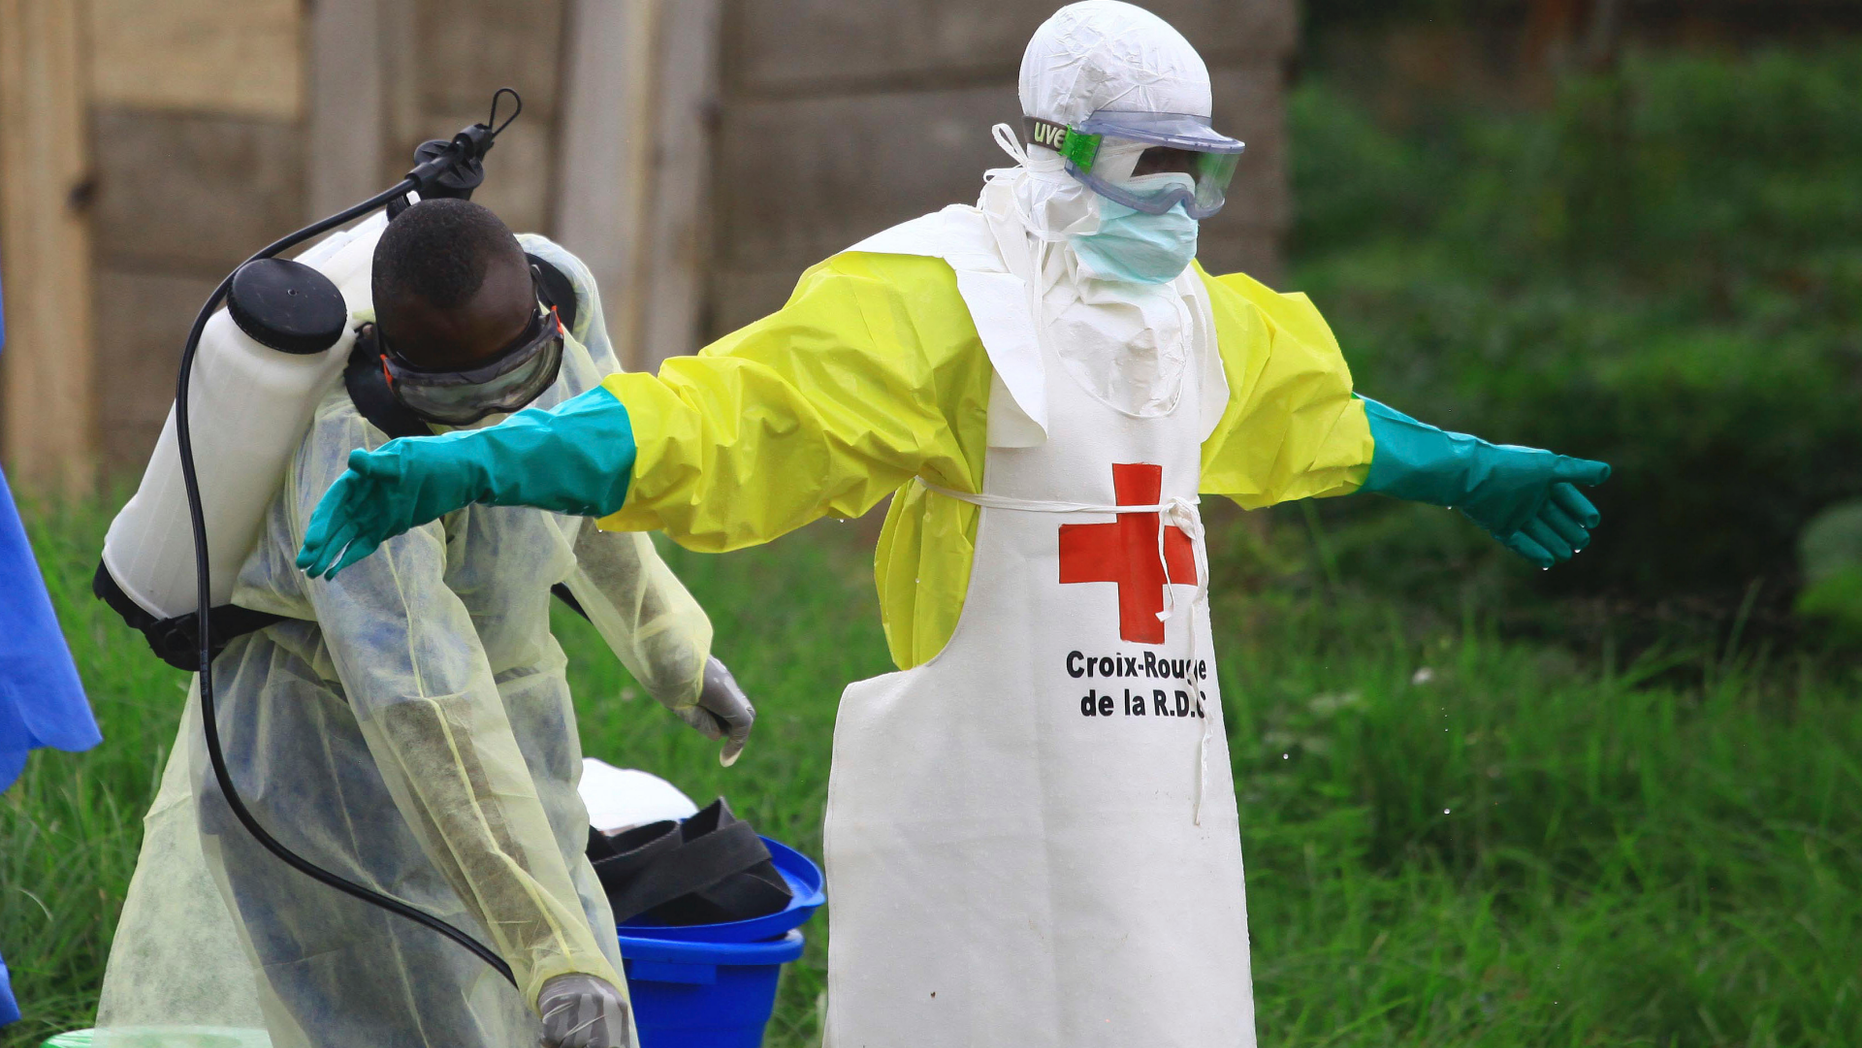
(1176, 511)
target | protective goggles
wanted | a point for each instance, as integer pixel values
(509, 380)
(1179, 144)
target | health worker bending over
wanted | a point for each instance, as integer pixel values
(1032, 835)
(408, 725)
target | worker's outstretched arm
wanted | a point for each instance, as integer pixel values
(422, 692)
(819, 409)
(1294, 429)
(574, 458)
(863, 380)
(1527, 499)
(659, 633)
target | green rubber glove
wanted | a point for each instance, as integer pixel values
(1526, 498)
(577, 457)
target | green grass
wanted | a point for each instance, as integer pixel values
(1520, 846)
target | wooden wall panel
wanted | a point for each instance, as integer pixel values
(817, 46)
(226, 56)
(347, 156)
(193, 190)
(50, 436)
(699, 153)
(470, 48)
(605, 154)
(803, 178)
(679, 220)
(141, 326)
(200, 156)
(633, 182)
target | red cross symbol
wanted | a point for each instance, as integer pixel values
(1125, 552)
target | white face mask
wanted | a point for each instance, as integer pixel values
(1136, 247)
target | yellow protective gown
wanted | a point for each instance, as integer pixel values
(410, 728)
(873, 374)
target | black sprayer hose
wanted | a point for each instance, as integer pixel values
(203, 596)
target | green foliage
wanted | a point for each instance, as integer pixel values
(1634, 856)
(1664, 272)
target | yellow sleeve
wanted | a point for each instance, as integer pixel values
(1292, 429)
(855, 386)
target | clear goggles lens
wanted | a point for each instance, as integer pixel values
(1176, 143)
(506, 383)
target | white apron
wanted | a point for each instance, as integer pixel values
(1031, 839)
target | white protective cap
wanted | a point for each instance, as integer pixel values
(1104, 54)
(1099, 54)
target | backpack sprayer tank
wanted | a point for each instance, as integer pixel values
(264, 363)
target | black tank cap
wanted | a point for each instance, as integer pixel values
(287, 306)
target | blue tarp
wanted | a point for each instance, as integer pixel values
(9, 1011)
(41, 701)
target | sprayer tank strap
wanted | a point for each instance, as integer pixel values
(176, 640)
(558, 291)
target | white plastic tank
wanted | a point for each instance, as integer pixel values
(248, 408)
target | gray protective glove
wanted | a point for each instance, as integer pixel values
(723, 711)
(581, 1011)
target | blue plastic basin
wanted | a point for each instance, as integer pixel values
(704, 994)
(714, 985)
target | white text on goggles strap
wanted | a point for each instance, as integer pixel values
(1178, 512)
